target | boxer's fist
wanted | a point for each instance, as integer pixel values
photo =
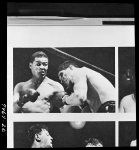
(31, 95)
(56, 99)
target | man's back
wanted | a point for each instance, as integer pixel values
(101, 84)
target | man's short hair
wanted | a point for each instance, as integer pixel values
(37, 54)
(35, 129)
(93, 141)
(66, 65)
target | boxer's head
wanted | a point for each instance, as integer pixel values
(39, 64)
(128, 80)
(40, 136)
(65, 71)
(93, 142)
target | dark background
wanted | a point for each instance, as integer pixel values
(71, 9)
(126, 61)
(103, 57)
(127, 133)
(64, 135)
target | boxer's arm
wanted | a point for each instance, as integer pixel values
(19, 100)
(59, 87)
(122, 109)
(36, 107)
(79, 95)
(16, 107)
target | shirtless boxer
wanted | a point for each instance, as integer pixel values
(128, 104)
(88, 86)
(33, 95)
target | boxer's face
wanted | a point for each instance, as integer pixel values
(39, 67)
(46, 139)
(65, 77)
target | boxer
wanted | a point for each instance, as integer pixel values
(88, 85)
(39, 136)
(32, 96)
(128, 104)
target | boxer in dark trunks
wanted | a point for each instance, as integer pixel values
(87, 86)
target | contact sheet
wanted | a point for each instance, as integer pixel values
(70, 85)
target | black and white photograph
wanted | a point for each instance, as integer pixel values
(64, 80)
(71, 79)
(64, 134)
(127, 134)
(127, 80)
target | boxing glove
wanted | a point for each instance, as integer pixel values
(31, 95)
(56, 99)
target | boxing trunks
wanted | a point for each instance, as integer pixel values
(107, 107)
(85, 107)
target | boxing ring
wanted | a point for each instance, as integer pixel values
(65, 55)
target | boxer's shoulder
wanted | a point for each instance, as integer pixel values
(19, 86)
(127, 100)
(128, 104)
(79, 73)
(89, 72)
(22, 86)
(86, 69)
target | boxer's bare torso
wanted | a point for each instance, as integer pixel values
(101, 84)
(45, 88)
(98, 88)
(128, 104)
